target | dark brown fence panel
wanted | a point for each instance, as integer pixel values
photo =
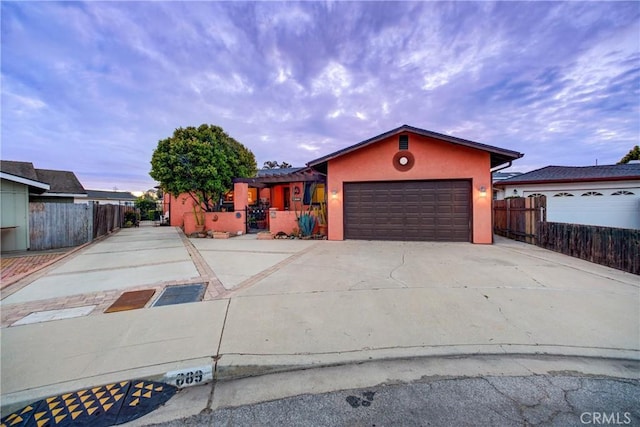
(518, 218)
(107, 218)
(59, 225)
(614, 247)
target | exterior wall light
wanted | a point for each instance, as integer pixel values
(334, 194)
(483, 191)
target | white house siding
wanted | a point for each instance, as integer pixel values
(622, 211)
(14, 203)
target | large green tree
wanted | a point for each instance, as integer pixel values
(633, 154)
(201, 162)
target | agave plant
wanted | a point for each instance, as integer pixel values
(307, 222)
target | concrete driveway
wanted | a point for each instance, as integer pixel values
(282, 304)
(356, 300)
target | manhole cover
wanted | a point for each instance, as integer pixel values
(181, 294)
(106, 405)
(131, 300)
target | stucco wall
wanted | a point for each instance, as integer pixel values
(434, 159)
(284, 221)
(233, 222)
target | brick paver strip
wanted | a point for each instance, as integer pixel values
(15, 268)
(215, 289)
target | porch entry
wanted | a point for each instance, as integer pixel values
(257, 218)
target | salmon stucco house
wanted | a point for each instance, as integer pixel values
(405, 184)
(412, 184)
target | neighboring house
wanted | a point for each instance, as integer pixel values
(607, 195)
(405, 184)
(64, 186)
(17, 182)
(108, 198)
(21, 184)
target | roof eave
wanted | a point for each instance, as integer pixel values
(75, 195)
(499, 156)
(37, 185)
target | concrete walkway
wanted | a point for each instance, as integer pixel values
(281, 304)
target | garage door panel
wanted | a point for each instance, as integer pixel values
(408, 210)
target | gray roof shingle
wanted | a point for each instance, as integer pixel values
(276, 171)
(63, 182)
(21, 169)
(111, 195)
(577, 173)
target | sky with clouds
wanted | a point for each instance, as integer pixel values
(91, 87)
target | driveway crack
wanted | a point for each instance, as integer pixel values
(391, 276)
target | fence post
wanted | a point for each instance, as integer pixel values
(508, 218)
(90, 219)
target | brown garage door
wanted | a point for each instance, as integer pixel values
(408, 210)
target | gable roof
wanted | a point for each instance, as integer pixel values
(61, 182)
(111, 195)
(551, 174)
(58, 182)
(23, 173)
(499, 156)
(21, 169)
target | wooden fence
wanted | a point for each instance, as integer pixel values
(107, 218)
(59, 225)
(614, 247)
(518, 218)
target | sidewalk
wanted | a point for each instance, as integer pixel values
(280, 305)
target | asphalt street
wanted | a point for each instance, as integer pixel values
(539, 400)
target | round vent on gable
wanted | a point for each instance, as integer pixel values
(403, 160)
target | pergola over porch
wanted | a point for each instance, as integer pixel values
(281, 189)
